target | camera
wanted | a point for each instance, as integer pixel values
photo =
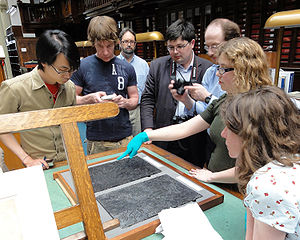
(181, 119)
(179, 83)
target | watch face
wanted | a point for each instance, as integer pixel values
(207, 99)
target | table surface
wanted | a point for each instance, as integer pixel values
(228, 218)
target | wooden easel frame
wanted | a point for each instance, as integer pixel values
(86, 210)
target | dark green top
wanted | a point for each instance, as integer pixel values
(219, 159)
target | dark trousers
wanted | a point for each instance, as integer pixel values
(195, 149)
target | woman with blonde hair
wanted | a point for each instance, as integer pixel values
(263, 132)
(242, 67)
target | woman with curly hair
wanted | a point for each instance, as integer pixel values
(242, 67)
(263, 132)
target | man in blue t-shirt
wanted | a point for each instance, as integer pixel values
(104, 74)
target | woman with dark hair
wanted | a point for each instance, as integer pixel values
(263, 132)
(242, 67)
(46, 86)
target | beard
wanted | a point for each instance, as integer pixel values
(127, 53)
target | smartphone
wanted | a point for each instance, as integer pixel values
(108, 97)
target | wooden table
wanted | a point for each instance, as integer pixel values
(227, 218)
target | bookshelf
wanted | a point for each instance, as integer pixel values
(20, 49)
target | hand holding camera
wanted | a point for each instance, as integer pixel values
(180, 82)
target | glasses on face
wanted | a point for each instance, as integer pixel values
(224, 70)
(212, 48)
(70, 71)
(131, 42)
(177, 48)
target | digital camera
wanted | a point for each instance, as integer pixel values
(180, 82)
(181, 119)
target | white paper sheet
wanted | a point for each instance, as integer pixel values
(24, 198)
(187, 222)
(9, 220)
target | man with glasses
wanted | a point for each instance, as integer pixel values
(217, 32)
(46, 86)
(161, 106)
(127, 45)
(104, 74)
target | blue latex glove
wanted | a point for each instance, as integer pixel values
(134, 145)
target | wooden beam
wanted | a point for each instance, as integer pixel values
(82, 181)
(68, 216)
(52, 117)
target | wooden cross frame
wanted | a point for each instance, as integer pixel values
(86, 210)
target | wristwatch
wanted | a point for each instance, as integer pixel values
(207, 99)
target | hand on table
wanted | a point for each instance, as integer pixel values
(29, 162)
(134, 145)
(202, 174)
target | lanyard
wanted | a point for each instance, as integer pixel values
(173, 71)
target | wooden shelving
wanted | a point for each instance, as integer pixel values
(11, 45)
(20, 49)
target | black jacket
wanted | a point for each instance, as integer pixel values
(157, 104)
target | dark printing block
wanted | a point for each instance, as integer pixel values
(144, 200)
(116, 173)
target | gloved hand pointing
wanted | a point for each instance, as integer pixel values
(134, 145)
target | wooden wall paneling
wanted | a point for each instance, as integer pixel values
(292, 54)
(286, 45)
(297, 47)
(26, 49)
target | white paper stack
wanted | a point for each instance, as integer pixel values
(187, 222)
(25, 207)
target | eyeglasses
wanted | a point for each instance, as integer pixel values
(70, 71)
(177, 48)
(212, 47)
(224, 70)
(131, 42)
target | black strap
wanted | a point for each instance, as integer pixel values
(173, 70)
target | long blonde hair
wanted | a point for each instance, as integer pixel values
(249, 62)
(269, 124)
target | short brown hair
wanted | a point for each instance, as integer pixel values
(230, 29)
(102, 28)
